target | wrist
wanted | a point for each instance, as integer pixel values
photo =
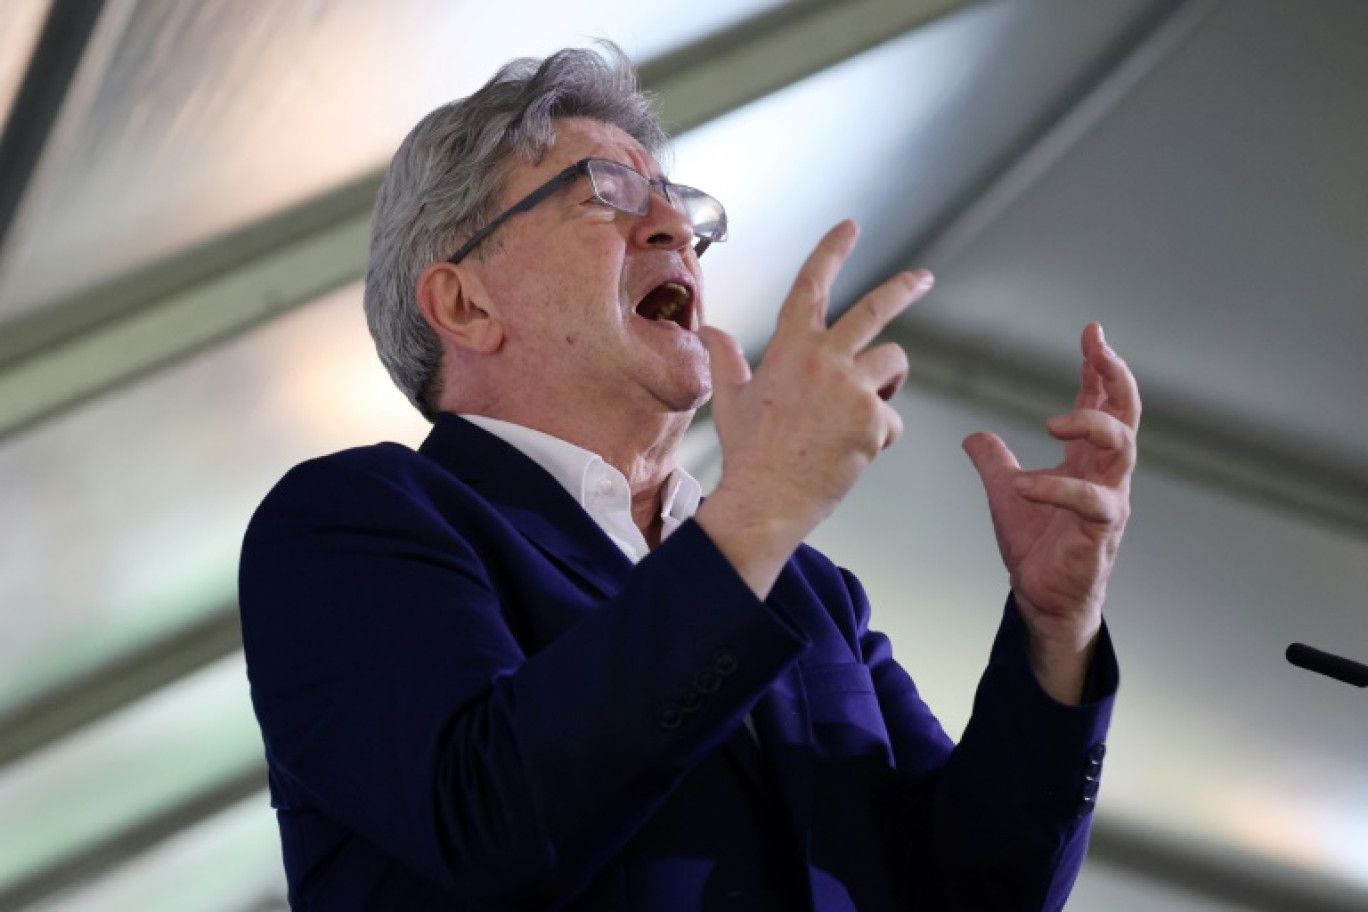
(1060, 649)
(757, 544)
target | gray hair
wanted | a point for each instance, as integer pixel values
(446, 180)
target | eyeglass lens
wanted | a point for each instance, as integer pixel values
(626, 190)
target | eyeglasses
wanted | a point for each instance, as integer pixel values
(626, 190)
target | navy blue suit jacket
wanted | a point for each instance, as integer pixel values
(470, 699)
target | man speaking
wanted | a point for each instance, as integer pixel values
(528, 667)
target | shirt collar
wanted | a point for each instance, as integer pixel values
(683, 494)
(573, 468)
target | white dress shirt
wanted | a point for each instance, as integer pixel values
(598, 487)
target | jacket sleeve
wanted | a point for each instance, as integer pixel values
(1000, 821)
(393, 697)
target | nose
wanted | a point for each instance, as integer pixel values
(663, 226)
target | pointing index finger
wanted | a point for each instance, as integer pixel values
(806, 304)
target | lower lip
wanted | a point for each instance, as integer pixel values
(662, 324)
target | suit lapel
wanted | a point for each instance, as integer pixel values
(587, 554)
(531, 500)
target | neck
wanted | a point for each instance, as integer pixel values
(644, 448)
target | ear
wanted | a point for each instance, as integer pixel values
(447, 296)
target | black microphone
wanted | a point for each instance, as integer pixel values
(1337, 667)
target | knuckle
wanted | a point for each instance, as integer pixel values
(1095, 502)
(873, 305)
(1100, 505)
(808, 286)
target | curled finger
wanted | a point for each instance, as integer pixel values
(806, 305)
(1099, 428)
(1122, 392)
(884, 369)
(1090, 501)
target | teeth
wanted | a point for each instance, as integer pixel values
(671, 311)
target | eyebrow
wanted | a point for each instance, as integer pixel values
(655, 175)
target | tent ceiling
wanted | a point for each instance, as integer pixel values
(1190, 173)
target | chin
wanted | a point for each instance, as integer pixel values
(687, 396)
(699, 388)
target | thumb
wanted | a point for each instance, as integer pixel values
(991, 458)
(728, 366)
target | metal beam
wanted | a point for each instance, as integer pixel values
(91, 861)
(57, 366)
(105, 690)
(1156, 34)
(37, 104)
(86, 346)
(763, 55)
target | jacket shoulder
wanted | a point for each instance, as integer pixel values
(373, 481)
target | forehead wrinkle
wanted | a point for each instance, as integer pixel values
(612, 143)
(575, 139)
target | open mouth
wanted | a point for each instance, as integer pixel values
(668, 302)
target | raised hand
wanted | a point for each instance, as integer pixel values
(1059, 529)
(798, 434)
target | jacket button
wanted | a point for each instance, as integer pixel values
(725, 663)
(1098, 751)
(670, 718)
(690, 701)
(707, 681)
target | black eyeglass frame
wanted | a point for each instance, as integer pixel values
(570, 175)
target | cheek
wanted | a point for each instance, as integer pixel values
(560, 291)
